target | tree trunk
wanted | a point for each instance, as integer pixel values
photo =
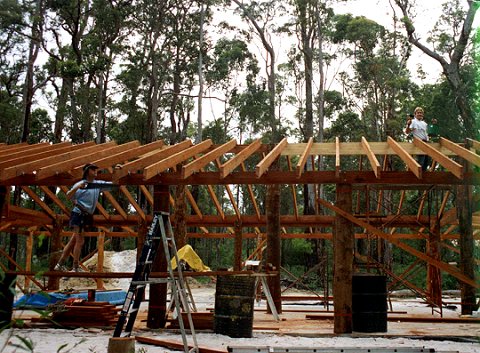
(200, 77)
(28, 90)
(60, 112)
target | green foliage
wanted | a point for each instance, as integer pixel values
(359, 30)
(26, 344)
(11, 14)
(348, 126)
(40, 127)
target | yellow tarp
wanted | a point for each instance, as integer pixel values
(189, 255)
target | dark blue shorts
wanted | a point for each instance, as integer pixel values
(82, 220)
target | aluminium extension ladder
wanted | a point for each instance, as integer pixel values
(160, 231)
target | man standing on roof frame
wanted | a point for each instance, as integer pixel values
(85, 201)
(418, 128)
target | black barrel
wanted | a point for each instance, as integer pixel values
(369, 303)
(234, 300)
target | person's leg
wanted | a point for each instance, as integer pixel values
(68, 248)
(426, 163)
(74, 222)
(422, 160)
(77, 250)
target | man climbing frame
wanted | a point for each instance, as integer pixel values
(85, 199)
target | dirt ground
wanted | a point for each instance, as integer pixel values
(293, 329)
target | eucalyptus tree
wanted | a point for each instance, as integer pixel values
(231, 64)
(12, 44)
(20, 38)
(380, 82)
(67, 22)
(260, 16)
(447, 44)
(36, 13)
(109, 33)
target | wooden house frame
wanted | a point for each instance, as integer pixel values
(153, 168)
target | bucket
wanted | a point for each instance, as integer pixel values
(369, 303)
(234, 300)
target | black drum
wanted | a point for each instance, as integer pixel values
(234, 301)
(369, 303)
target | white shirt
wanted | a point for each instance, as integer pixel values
(419, 129)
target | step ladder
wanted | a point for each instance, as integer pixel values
(160, 232)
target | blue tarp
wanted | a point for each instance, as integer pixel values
(43, 299)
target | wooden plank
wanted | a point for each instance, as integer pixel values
(119, 155)
(411, 163)
(176, 345)
(234, 162)
(266, 162)
(19, 147)
(156, 151)
(201, 162)
(55, 199)
(461, 151)
(303, 158)
(371, 157)
(337, 157)
(441, 265)
(455, 168)
(474, 143)
(132, 201)
(351, 148)
(46, 154)
(294, 193)
(100, 258)
(36, 152)
(30, 166)
(39, 201)
(252, 196)
(193, 203)
(215, 201)
(62, 166)
(115, 204)
(147, 194)
(172, 160)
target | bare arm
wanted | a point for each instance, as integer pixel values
(408, 129)
(71, 192)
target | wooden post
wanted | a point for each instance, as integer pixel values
(434, 275)
(343, 241)
(56, 246)
(100, 258)
(467, 245)
(274, 243)
(237, 260)
(157, 305)
(28, 258)
(7, 282)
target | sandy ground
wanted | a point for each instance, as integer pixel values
(293, 330)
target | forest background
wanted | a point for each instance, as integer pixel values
(122, 70)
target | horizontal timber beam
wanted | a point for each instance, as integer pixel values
(269, 177)
(245, 220)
